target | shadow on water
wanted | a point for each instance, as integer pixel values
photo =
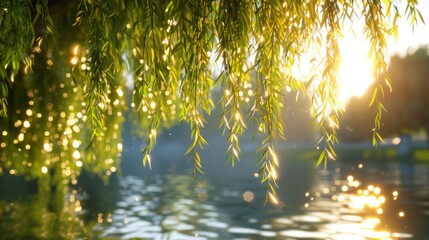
(98, 197)
(29, 210)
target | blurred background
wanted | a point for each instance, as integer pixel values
(57, 182)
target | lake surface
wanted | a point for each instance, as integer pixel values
(349, 200)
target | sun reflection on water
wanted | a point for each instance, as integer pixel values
(361, 206)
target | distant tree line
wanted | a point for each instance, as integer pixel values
(406, 106)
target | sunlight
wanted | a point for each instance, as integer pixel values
(355, 74)
(355, 71)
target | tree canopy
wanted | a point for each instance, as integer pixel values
(178, 52)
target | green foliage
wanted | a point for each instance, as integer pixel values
(19, 21)
(100, 22)
(45, 132)
(178, 51)
(235, 74)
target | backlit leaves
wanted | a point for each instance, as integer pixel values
(15, 34)
(101, 22)
(233, 49)
(178, 52)
(21, 22)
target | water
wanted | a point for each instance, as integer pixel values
(349, 200)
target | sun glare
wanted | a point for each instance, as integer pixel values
(355, 74)
(355, 71)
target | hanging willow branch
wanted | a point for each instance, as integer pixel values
(269, 90)
(170, 47)
(196, 25)
(155, 77)
(376, 32)
(325, 101)
(233, 30)
(100, 22)
(21, 22)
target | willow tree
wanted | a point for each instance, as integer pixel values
(179, 51)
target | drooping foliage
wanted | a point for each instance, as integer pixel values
(44, 134)
(179, 51)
